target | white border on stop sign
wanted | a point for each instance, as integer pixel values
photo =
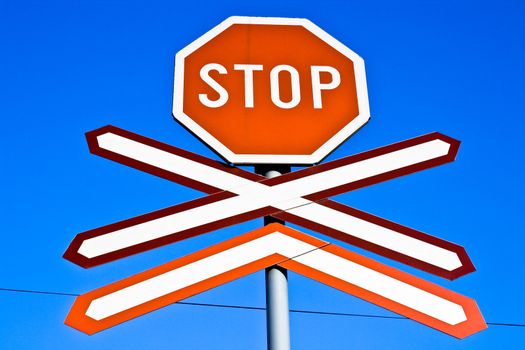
(234, 158)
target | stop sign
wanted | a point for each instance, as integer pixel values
(270, 90)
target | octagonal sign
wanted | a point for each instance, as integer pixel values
(270, 90)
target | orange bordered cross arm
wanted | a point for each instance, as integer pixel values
(274, 244)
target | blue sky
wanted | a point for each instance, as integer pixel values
(73, 66)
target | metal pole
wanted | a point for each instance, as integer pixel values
(277, 319)
(277, 310)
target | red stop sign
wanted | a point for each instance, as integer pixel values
(270, 90)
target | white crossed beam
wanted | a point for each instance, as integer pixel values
(382, 285)
(239, 196)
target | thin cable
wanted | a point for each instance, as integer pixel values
(37, 292)
(224, 306)
(255, 308)
(329, 313)
(506, 324)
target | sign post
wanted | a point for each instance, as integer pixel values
(276, 279)
(277, 311)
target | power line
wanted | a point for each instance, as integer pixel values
(256, 308)
(37, 292)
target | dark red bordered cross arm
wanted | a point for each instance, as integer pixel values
(228, 185)
(466, 264)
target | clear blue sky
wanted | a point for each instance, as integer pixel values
(67, 67)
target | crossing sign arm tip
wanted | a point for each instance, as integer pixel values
(454, 144)
(71, 255)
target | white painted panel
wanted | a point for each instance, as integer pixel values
(286, 197)
(169, 224)
(386, 286)
(195, 272)
(170, 162)
(379, 235)
(364, 169)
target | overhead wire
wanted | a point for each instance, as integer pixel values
(256, 308)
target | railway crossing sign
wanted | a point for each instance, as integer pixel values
(298, 197)
(232, 86)
(275, 71)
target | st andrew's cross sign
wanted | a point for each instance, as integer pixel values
(298, 197)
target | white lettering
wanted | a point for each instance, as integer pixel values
(317, 86)
(274, 86)
(205, 76)
(248, 81)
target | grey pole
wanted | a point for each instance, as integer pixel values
(277, 319)
(277, 310)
